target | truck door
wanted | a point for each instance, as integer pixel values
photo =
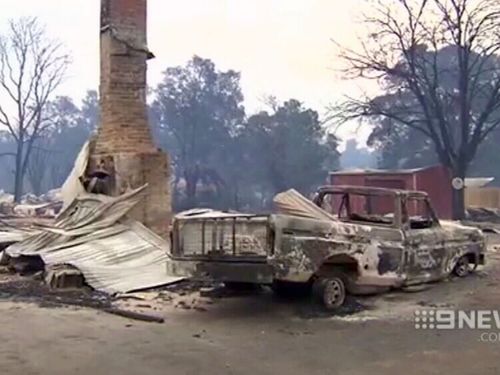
(424, 241)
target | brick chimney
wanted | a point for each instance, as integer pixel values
(124, 53)
(124, 148)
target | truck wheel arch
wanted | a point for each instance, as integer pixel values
(339, 262)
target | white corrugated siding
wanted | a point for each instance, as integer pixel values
(115, 255)
(291, 202)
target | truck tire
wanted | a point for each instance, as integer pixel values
(462, 268)
(330, 291)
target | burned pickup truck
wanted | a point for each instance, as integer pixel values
(347, 240)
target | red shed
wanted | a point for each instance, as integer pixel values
(434, 180)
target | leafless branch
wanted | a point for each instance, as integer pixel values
(32, 67)
(438, 63)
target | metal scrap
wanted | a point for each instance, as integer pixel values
(293, 203)
(115, 255)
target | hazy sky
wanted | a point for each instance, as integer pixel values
(281, 47)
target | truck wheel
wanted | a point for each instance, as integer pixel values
(462, 268)
(330, 291)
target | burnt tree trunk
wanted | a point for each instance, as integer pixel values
(192, 176)
(458, 195)
(19, 173)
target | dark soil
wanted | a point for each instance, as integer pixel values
(29, 289)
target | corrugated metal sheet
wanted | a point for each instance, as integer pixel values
(208, 213)
(291, 202)
(10, 236)
(16, 229)
(115, 255)
(72, 187)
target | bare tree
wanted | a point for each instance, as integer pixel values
(37, 169)
(437, 63)
(32, 66)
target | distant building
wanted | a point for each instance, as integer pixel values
(434, 180)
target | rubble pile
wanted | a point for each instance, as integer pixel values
(18, 221)
(90, 243)
(75, 238)
(44, 206)
(94, 236)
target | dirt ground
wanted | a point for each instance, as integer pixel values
(215, 332)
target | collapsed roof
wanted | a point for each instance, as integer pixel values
(93, 234)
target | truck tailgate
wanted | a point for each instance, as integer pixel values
(222, 238)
